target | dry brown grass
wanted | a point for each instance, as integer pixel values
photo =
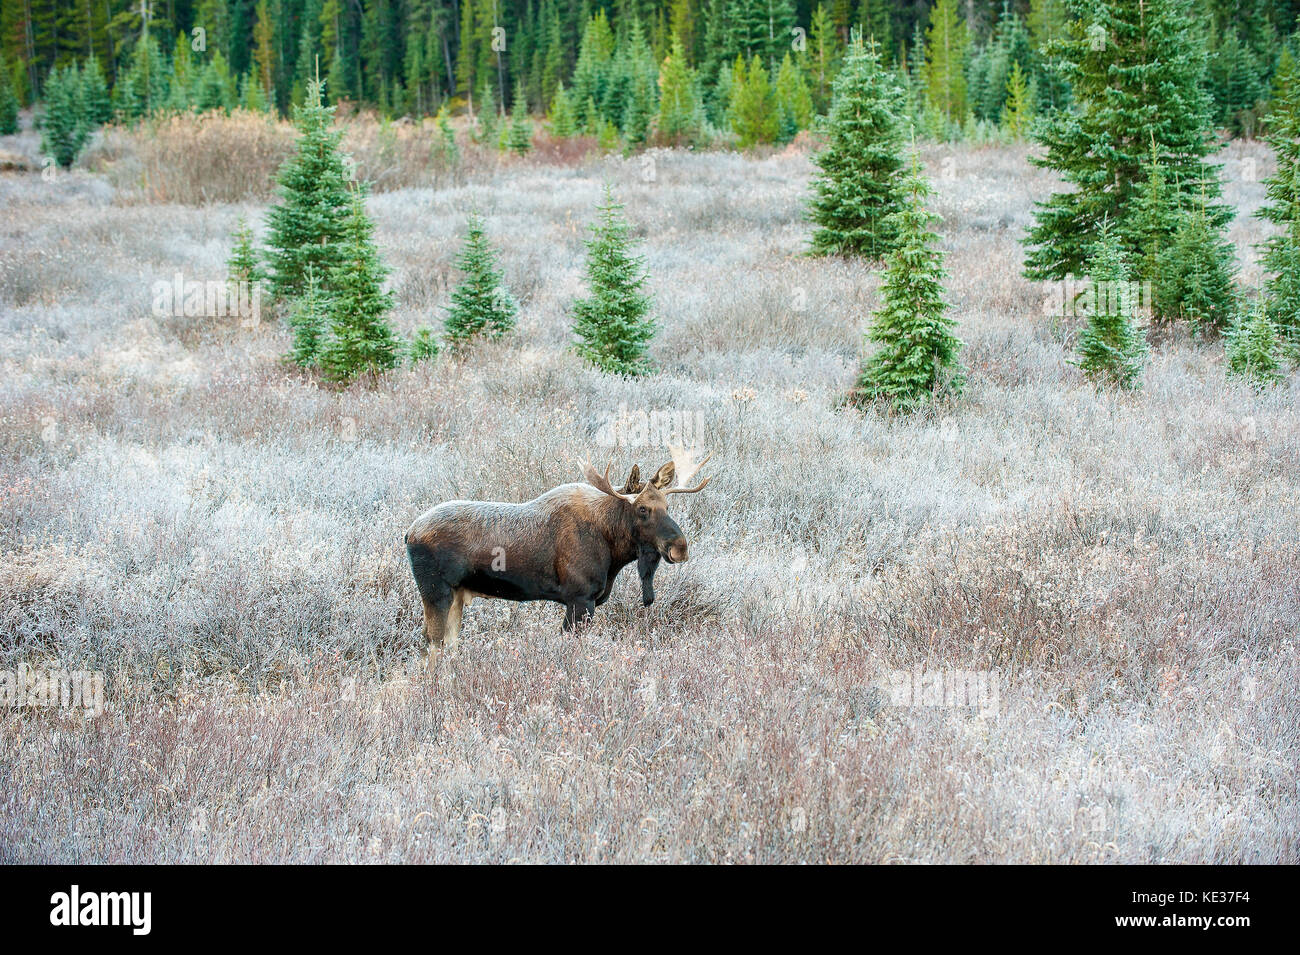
(190, 159)
(223, 538)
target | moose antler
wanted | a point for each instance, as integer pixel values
(687, 469)
(601, 481)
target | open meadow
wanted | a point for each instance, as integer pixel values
(221, 534)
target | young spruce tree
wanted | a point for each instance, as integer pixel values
(613, 325)
(860, 187)
(360, 339)
(1111, 350)
(307, 320)
(305, 228)
(520, 135)
(480, 303)
(66, 124)
(917, 355)
(242, 266)
(1254, 349)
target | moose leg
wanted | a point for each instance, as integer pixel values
(647, 562)
(451, 638)
(437, 600)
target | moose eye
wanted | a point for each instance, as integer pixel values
(642, 511)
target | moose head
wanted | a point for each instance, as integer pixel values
(646, 505)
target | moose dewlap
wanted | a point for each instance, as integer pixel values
(567, 546)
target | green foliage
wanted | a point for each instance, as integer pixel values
(447, 150)
(860, 189)
(1135, 71)
(753, 104)
(305, 228)
(65, 126)
(916, 360)
(8, 101)
(423, 346)
(242, 266)
(613, 324)
(480, 303)
(1111, 350)
(1019, 108)
(946, 44)
(144, 89)
(1282, 189)
(1254, 349)
(794, 105)
(307, 321)
(564, 121)
(360, 339)
(680, 110)
(520, 136)
(1196, 276)
(99, 105)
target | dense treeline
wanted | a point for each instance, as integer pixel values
(758, 69)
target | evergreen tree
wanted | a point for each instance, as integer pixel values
(489, 126)
(1196, 276)
(1155, 220)
(307, 320)
(1254, 349)
(679, 107)
(1135, 72)
(480, 302)
(1018, 111)
(99, 106)
(794, 108)
(448, 151)
(242, 266)
(65, 126)
(563, 121)
(946, 43)
(860, 187)
(8, 101)
(305, 228)
(360, 339)
(917, 355)
(143, 90)
(1111, 350)
(753, 104)
(1282, 251)
(520, 136)
(424, 345)
(613, 324)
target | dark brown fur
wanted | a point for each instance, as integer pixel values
(567, 545)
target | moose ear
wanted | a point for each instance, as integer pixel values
(664, 476)
(633, 485)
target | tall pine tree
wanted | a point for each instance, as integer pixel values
(1136, 72)
(860, 187)
(360, 340)
(917, 355)
(305, 228)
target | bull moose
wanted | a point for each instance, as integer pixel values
(567, 546)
